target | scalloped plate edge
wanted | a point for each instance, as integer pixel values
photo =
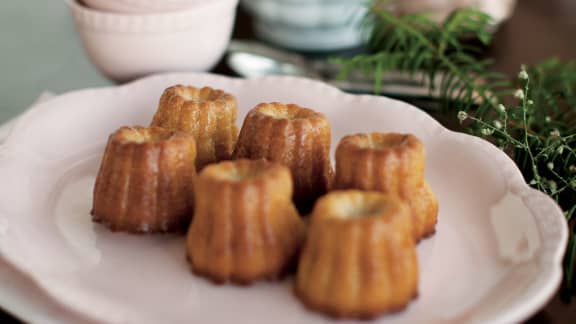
(510, 171)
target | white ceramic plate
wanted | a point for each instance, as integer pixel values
(496, 256)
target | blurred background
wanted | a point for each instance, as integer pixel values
(41, 49)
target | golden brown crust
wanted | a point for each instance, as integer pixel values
(293, 136)
(425, 204)
(391, 163)
(245, 226)
(208, 114)
(144, 184)
(359, 259)
(364, 315)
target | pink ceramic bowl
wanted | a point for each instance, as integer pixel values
(128, 46)
(142, 6)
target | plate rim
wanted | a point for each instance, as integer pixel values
(513, 175)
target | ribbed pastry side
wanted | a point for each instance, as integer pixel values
(145, 180)
(245, 226)
(293, 136)
(208, 114)
(391, 163)
(359, 259)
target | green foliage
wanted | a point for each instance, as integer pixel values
(414, 44)
(538, 129)
(539, 132)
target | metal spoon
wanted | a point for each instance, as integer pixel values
(253, 59)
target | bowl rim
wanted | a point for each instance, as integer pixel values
(154, 4)
(105, 21)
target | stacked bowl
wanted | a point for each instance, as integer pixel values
(127, 39)
(141, 6)
(329, 25)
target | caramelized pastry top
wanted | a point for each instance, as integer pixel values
(381, 141)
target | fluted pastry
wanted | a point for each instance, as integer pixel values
(245, 225)
(145, 181)
(208, 114)
(394, 164)
(294, 136)
(359, 259)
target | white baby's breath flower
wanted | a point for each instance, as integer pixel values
(530, 102)
(547, 119)
(560, 149)
(501, 108)
(550, 165)
(462, 116)
(572, 168)
(523, 75)
(552, 184)
(486, 131)
(497, 124)
(555, 133)
(519, 94)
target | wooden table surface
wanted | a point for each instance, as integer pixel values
(538, 30)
